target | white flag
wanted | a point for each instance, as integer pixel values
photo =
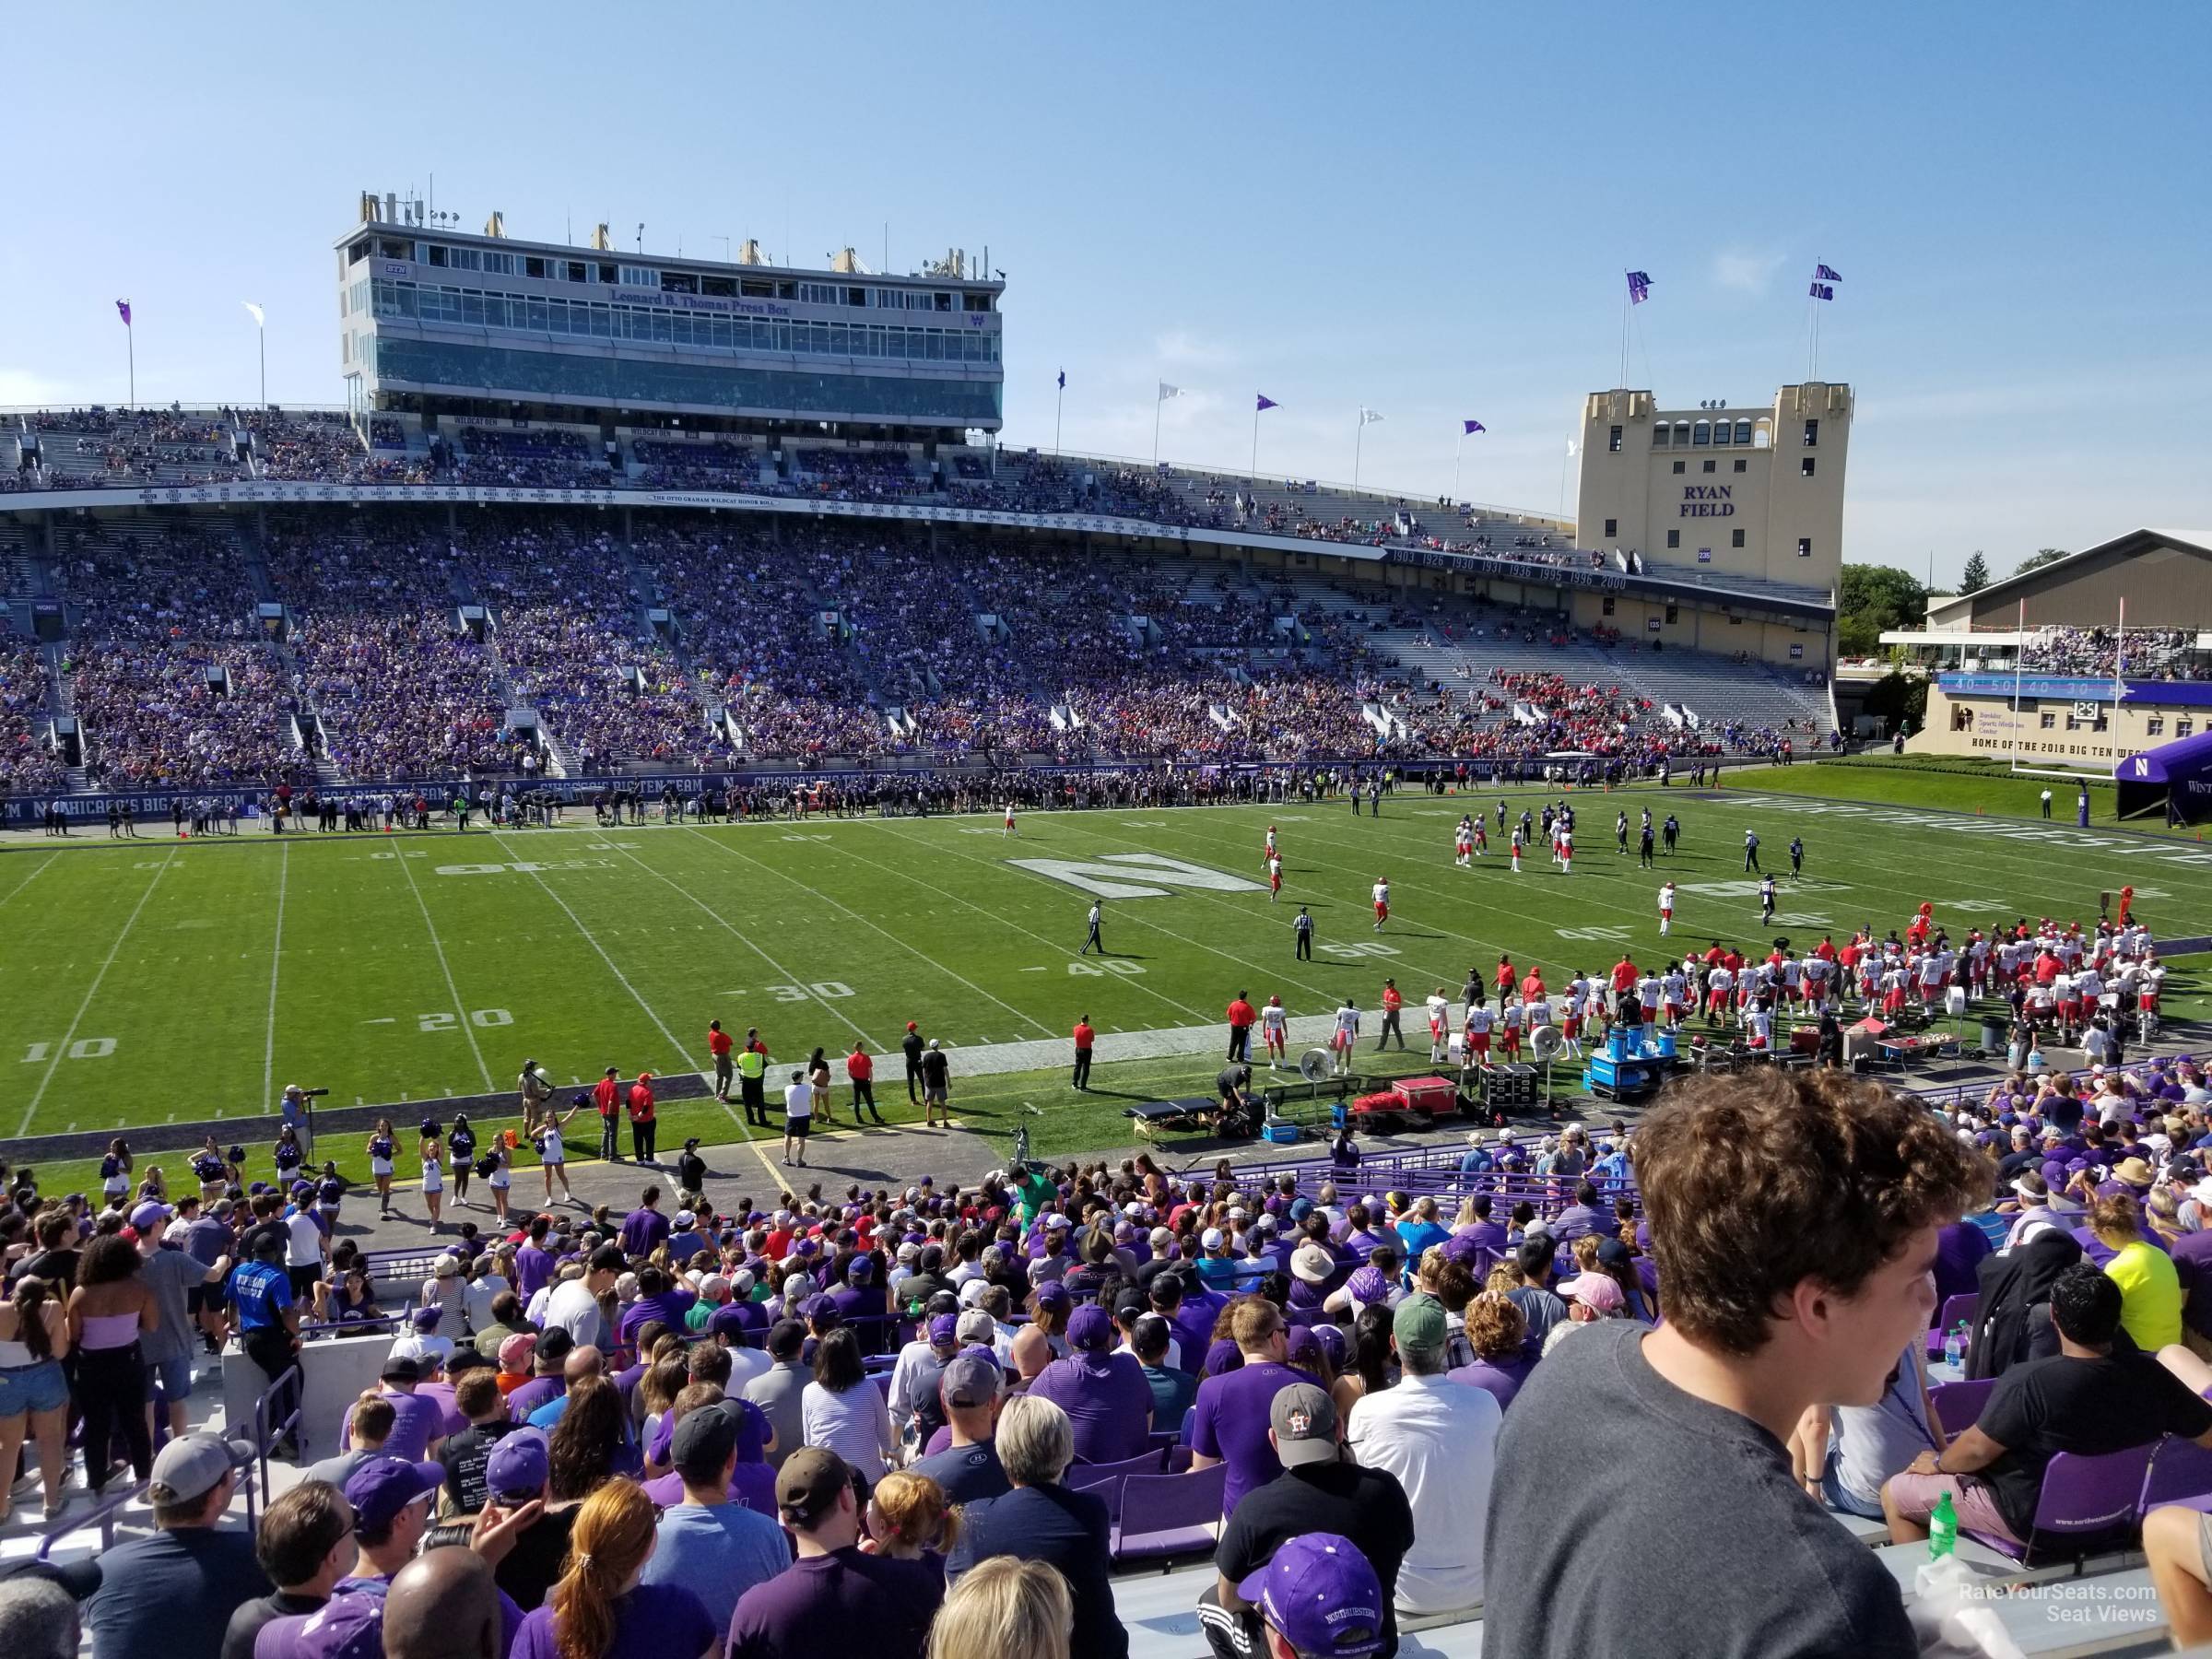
(1570, 449)
(1166, 391)
(1369, 417)
(258, 321)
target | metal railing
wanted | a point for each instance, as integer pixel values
(266, 1432)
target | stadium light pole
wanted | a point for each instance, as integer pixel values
(261, 330)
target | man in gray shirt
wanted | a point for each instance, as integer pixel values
(777, 1390)
(1649, 1467)
(170, 1273)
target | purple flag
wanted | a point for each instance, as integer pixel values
(1639, 286)
(1471, 426)
(1822, 291)
(122, 310)
(1265, 402)
(1827, 274)
(1063, 380)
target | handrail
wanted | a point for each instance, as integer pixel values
(105, 1513)
(262, 1425)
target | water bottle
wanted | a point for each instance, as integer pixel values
(1954, 1345)
(1943, 1529)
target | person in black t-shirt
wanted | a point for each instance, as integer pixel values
(1318, 1491)
(476, 1396)
(305, 1544)
(2086, 1399)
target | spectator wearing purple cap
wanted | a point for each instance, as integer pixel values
(832, 1592)
(1108, 1402)
(1320, 1492)
(1319, 1598)
(711, 1544)
(517, 1473)
(1229, 1416)
(1041, 1520)
(391, 1499)
(173, 1592)
(913, 1392)
(860, 1303)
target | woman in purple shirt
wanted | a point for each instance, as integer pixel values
(1498, 1332)
(599, 1610)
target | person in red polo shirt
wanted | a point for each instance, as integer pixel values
(1505, 976)
(1242, 1015)
(1623, 981)
(861, 1070)
(1533, 986)
(719, 1045)
(1391, 1003)
(642, 1128)
(1085, 1038)
(607, 1097)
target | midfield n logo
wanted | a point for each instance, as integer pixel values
(1122, 875)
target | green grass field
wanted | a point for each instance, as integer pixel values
(156, 981)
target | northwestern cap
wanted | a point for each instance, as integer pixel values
(520, 1461)
(1091, 1328)
(383, 1487)
(149, 1213)
(1320, 1592)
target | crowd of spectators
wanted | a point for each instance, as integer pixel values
(28, 766)
(657, 1430)
(2168, 653)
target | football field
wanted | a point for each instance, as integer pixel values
(160, 980)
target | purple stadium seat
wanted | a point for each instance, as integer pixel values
(2087, 1504)
(1956, 1310)
(1180, 1514)
(2180, 1473)
(1959, 1404)
(1105, 1481)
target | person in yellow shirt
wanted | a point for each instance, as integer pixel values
(2150, 1289)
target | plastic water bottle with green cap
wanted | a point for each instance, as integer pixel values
(1943, 1528)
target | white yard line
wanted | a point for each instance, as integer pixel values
(873, 927)
(738, 934)
(268, 1047)
(91, 991)
(674, 1041)
(1050, 944)
(31, 878)
(452, 990)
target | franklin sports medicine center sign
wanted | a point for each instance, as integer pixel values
(1707, 500)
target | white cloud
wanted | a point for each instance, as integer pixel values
(1746, 270)
(1184, 349)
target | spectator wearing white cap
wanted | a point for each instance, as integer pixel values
(172, 1593)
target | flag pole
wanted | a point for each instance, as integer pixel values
(1359, 438)
(1059, 401)
(1157, 401)
(1564, 458)
(1458, 450)
(1255, 443)
(262, 331)
(130, 346)
(1624, 332)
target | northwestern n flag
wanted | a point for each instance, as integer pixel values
(1265, 402)
(1821, 290)
(1466, 427)
(1063, 380)
(122, 310)
(1827, 274)
(1639, 286)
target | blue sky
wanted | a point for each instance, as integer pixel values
(1423, 209)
